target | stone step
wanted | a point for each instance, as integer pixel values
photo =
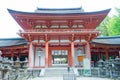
(51, 72)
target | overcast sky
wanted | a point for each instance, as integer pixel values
(9, 28)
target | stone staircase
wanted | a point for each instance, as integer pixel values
(57, 72)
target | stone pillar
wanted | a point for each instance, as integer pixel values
(46, 54)
(72, 54)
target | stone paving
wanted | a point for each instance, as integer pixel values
(61, 78)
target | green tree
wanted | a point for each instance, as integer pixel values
(110, 26)
(103, 26)
(114, 24)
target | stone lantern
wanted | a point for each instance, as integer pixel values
(25, 63)
(24, 66)
(17, 65)
(5, 67)
(100, 63)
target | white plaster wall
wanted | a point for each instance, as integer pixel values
(86, 51)
(76, 55)
(75, 59)
(40, 54)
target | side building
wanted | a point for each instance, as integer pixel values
(104, 48)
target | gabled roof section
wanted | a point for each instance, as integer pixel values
(107, 40)
(47, 17)
(8, 42)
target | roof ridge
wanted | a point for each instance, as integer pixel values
(77, 8)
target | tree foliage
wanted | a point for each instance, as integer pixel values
(103, 26)
(111, 25)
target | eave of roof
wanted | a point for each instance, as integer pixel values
(8, 42)
(11, 39)
(59, 13)
(108, 37)
(112, 40)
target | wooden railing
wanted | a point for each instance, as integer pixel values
(59, 30)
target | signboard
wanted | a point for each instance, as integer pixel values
(87, 67)
(80, 58)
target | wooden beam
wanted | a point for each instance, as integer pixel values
(14, 47)
(73, 37)
(29, 37)
(46, 38)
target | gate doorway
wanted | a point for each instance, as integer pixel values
(59, 57)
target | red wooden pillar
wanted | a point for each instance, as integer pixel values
(12, 55)
(88, 50)
(72, 54)
(46, 54)
(30, 55)
(106, 52)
